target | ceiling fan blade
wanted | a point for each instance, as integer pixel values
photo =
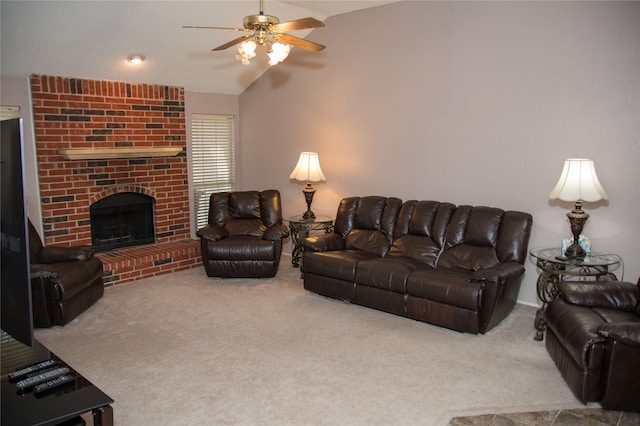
(232, 42)
(214, 28)
(298, 24)
(300, 42)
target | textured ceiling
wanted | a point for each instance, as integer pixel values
(91, 39)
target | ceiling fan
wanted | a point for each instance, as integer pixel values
(267, 30)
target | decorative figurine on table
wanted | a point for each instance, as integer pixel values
(583, 241)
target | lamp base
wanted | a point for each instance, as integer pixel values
(308, 192)
(575, 252)
(577, 219)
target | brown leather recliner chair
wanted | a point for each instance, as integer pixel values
(244, 235)
(65, 281)
(593, 336)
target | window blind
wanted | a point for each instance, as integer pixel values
(212, 146)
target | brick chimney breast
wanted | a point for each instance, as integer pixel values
(74, 113)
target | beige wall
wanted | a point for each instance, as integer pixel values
(468, 102)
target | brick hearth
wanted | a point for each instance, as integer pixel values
(133, 263)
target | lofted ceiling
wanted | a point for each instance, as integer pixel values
(91, 39)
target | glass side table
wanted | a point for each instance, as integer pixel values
(555, 268)
(300, 229)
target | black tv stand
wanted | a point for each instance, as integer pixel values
(55, 406)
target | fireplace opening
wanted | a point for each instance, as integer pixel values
(122, 220)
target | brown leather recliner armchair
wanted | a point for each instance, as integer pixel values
(593, 336)
(244, 234)
(65, 281)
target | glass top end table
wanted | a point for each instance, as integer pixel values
(300, 229)
(554, 255)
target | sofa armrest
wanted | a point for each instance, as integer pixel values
(502, 272)
(41, 270)
(212, 233)
(55, 254)
(611, 294)
(625, 332)
(323, 242)
(276, 232)
(500, 286)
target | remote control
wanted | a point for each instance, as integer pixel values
(42, 377)
(18, 374)
(51, 384)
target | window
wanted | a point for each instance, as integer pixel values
(212, 149)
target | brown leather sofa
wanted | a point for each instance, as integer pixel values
(455, 266)
(243, 237)
(593, 336)
(65, 281)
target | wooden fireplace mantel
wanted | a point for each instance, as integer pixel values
(126, 152)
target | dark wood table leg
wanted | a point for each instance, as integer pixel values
(103, 416)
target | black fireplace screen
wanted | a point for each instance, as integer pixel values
(122, 220)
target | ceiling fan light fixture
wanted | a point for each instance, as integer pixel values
(267, 30)
(246, 51)
(278, 53)
(262, 36)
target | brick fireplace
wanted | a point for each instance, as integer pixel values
(98, 138)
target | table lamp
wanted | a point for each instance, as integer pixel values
(578, 182)
(308, 170)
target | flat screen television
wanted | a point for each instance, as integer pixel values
(17, 319)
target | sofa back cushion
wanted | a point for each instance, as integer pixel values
(481, 237)
(244, 205)
(367, 223)
(420, 230)
(270, 207)
(245, 212)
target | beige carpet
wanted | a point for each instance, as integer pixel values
(184, 349)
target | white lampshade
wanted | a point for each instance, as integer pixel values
(579, 182)
(308, 168)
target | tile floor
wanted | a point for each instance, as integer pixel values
(583, 416)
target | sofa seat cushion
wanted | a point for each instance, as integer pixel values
(389, 273)
(240, 247)
(336, 264)
(74, 277)
(577, 327)
(448, 286)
